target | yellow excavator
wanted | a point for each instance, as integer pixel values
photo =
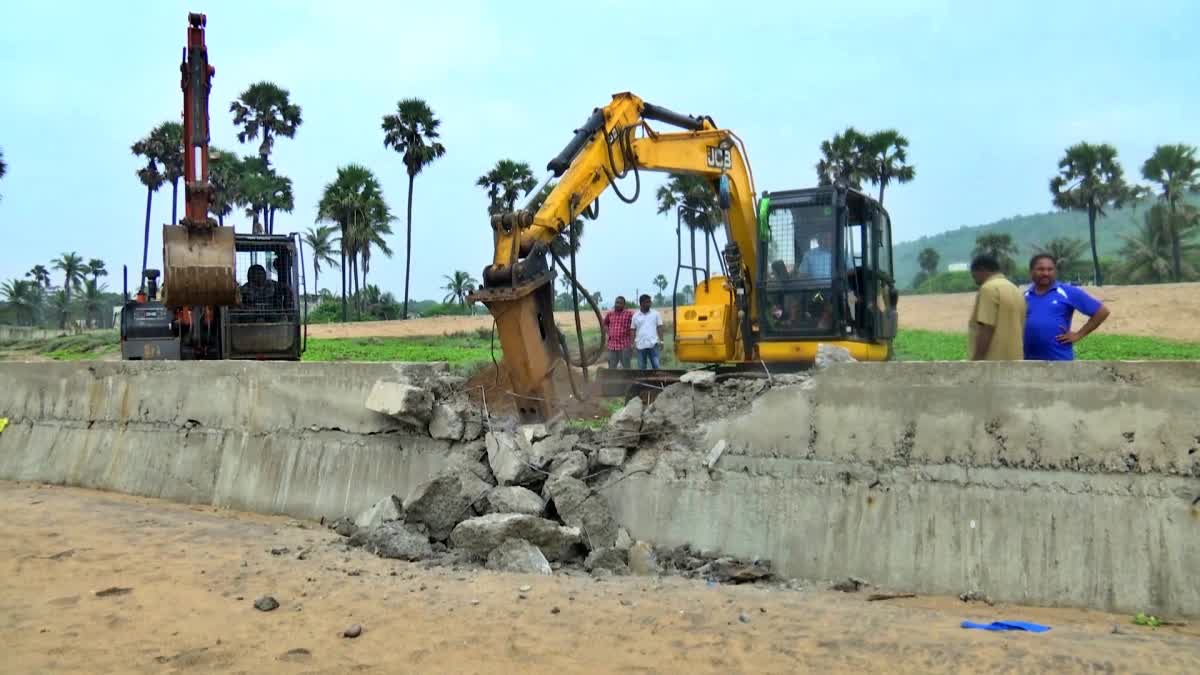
(800, 267)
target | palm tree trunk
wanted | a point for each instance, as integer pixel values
(408, 247)
(1176, 247)
(221, 219)
(1096, 276)
(174, 201)
(345, 312)
(692, 234)
(271, 222)
(881, 185)
(146, 237)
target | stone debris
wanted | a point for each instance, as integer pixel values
(266, 604)
(343, 526)
(444, 501)
(849, 585)
(388, 508)
(827, 355)
(395, 540)
(409, 404)
(533, 432)
(732, 570)
(624, 428)
(714, 455)
(701, 379)
(514, 499)
(612, 559)
(353, 631)
(519, 556)
(481, 535)
(611, 456)
(624, 541)
(976, 596)
(642, 560)
(509, 461)
(446, 423)
(580, 507)
(572, 464)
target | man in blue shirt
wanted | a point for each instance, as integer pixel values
(1049, 308)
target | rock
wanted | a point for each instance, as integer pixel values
(571, 463)
(344, 526)
(446, 386)
(610, 456)
(297, 655)
(642, 560)
(470, 456)
(849, 585)
(514, 499)
(976, 596)
(444, 501)
(700, 379)
(533, 432)
(409, 404)
(397, 540)
(611, 559)
(446, 423)
(624, 541)
(480, 536)
(520, 556)
(731, 570)
(579, 507)
(266, 604)
(625, 426)
(827, 355)
(525, 588)
(744, 617)
(388, 508)
(508, 460)
(714, 455)
(542, 453)
(352, 632)
(472, 424)
(789, 379)
(113, 591)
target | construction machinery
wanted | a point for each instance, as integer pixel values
(203, 313)
(800, 267)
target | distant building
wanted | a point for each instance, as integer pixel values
(958, 267)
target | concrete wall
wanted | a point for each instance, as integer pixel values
(269, 437)
(1075, 484)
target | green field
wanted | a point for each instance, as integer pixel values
(924, 345)
(464, 352)
(86, 346)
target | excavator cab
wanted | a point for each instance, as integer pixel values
(826, 274)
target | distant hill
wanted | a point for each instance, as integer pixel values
(956, 245)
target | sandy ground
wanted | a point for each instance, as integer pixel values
(192, 574)
(1164, 310)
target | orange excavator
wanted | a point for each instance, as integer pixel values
(202, 312)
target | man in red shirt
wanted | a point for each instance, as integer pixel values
(620, 337)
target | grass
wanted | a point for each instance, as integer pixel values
(465, 352)
(84, 346)
(924, 345)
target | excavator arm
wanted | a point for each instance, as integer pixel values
(615, 141)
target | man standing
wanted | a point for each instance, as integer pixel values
(998, 319)
(617, 327)
(1050, 308)
(648, 333)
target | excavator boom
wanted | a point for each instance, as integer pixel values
(198, 255)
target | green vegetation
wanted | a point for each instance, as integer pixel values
(85, 346)
(466, 352)
(924, 345)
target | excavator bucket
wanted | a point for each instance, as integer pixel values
(199, 266)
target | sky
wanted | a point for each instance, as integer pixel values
(988, 94)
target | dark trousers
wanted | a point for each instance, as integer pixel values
(621, 356)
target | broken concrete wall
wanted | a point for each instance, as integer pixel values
(269, 437)
(1072, 484)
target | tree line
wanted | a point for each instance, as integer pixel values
(37, 300)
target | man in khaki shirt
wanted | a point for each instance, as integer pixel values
(997, 326)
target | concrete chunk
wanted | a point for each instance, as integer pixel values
(481, 535)
(388, 508)
(396, 540)
(827, 355)
(625, 426)
(446, 423)
(572, 463)
(642, 560)
(509, 461)
(444, 501)
(610, 456)
(579, 507)
(714, 455)
(514, 499)
(409, 404)
(700, 379)
(612, 559)
(520, 556)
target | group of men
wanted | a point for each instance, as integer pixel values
(1007, 324)
(628, 330)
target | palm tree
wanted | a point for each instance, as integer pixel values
(1066, 251)
(225, 175)
(167, 139)
(320, 247)
(95, 268)
(458, 286)
(93, 299)
(279, 198)
(698, 208)
(265, 110)
(23, 296)
(40, 276)
(505, 184)
(998, 245)
(1148, 252)
(1090, 179)
(928, 260)
(72, 267)
(842, 159)
(412, 132)
(885, 154)
(354, 196)
(60, 302)
(152, 177)
(1176, 169)
(256, 185)
(369, 233)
